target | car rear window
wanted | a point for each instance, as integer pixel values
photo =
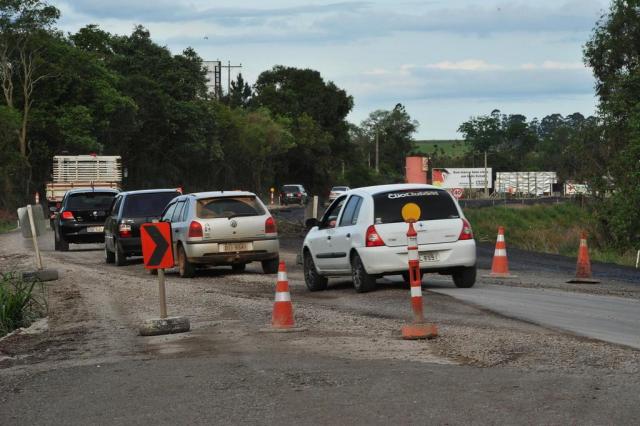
(148, 204)
(90, 201)
(434, 205)
(212, 208)
(339, 188)
(290, 188)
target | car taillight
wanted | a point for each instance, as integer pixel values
(467, 232)
(195, 230)
(67, 215)
(373, 239)
(270, 226)
(124, 230)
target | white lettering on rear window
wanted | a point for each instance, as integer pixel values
(411, 194)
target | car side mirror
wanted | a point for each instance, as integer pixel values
(311, 222)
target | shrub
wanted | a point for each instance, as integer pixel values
(19, 302)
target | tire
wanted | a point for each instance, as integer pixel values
(239, 267)
(185, 268)
(313, 280)
(464, 277)
(109, 256)
(270, 266)
(59, 243)
(119, 256)
(362, 281)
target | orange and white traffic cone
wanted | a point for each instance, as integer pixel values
(583, 266)
(419, 329)
(282, 318)
(500, 264)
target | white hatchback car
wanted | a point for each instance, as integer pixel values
(222, 228)
(362, 234)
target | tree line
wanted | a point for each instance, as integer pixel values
(92, 91)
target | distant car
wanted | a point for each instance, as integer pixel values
(337, 191)
(80, 218)
(293, 194)
(122, 227)
(222, 228)
(363, 234)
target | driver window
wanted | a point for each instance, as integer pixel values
(330, 218)
(166, 217)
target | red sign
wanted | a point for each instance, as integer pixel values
(156, 245)
(457, 192)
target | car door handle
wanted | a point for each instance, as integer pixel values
(349, 235)
(175, 230)
(329, 237)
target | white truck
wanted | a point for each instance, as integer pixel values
(82, 171)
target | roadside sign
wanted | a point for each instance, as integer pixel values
(156, 245)
(411, 212)
(457, 192)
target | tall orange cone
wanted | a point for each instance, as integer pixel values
(583, 266)
(500, 264)
(282, 318)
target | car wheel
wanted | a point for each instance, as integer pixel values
(119, 256)
(59, 243)
(362, 281)
(314, 281)
(239, 267)
(270, 266)
(185, 268)
(109, 256)
(464, 277)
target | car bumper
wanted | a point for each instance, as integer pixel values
(388, 260)
(77, 233)
(208, 253)
(130, 246)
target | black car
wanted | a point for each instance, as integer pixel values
(130, 210)
(80, 218)
(290, 194)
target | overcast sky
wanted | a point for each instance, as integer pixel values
(444, 60)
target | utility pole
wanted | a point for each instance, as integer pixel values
(228, 67)
(377, 152)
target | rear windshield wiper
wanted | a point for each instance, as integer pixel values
(241, 214)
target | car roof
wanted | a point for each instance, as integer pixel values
(292, 184)
(378, 189)
(212, 194)
(149, 191)
(86, 190)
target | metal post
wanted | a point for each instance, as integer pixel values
(34, 236)
(163, 296)
(377, 154)
(486, 189)
(315, 207)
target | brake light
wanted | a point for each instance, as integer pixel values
(270, 226)
(195, 230)
(67, 215)
(124, 230)
(373, 239)
(467, 232)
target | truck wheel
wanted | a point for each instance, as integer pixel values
(119, 257)
(362, 281)
(464, 277)
(313, 280)
(270, 266)
(185, 268)
(109, 256)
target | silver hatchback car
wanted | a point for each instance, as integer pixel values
(222, 228)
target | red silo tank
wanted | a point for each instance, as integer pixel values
(416, 170)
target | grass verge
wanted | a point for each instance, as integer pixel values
(21, 302)
(546, 228)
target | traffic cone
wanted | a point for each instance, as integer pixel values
(282, 318)
(583, 266)
(500, 264)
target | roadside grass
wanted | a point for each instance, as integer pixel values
(20, 302)
(7, 221)
(545, 228)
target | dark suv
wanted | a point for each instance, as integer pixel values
(293, 194)
(80, 219)
(130, 210)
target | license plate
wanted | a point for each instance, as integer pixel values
(430, 256)
(95, 229)
(232, 247)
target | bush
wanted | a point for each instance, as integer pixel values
(19, 303)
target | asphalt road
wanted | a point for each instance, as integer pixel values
(612, 319)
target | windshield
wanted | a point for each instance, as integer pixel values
(212, 208)
(434, 205)
(291, 188)
(340, 188)
(147, 204)
(90, 201)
